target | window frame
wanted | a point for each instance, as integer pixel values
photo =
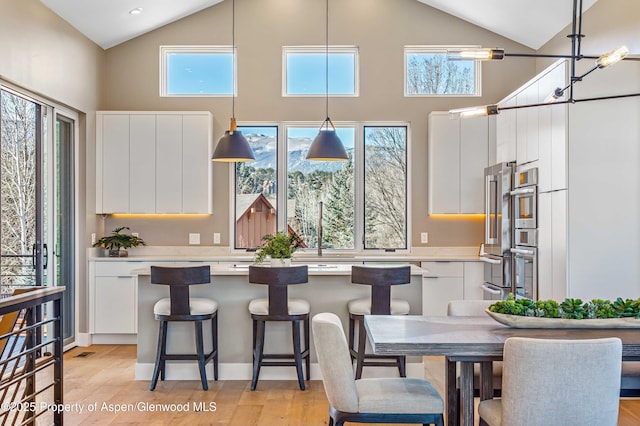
(431, 49)
(166, 50)
(359, 173)
(322, 50)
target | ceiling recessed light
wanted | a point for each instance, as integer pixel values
(136, 11)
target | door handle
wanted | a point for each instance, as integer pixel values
(45, 255)
(490, 290)
(489, 260)
(522, 251)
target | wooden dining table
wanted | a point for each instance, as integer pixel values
(470, 340)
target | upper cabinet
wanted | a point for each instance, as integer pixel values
(458, 154)
(153, 162)
(536, 135)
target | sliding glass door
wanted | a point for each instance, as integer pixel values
(36, 199)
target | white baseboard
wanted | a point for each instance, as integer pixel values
(108, 339)
(83, 339)
(243, 371)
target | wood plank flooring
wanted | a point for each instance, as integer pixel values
(104, 380)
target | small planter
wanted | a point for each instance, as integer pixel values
(118, 253)
(281, 262)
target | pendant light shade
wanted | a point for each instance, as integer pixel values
(233, 146)
(327, 146)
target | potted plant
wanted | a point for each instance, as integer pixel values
(279, 247)
(116, 242)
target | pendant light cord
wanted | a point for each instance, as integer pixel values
(326, 80)
(233, 58)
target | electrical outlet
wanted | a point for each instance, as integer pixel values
(93, 238)
(216, 238)
(194, 238)
(424, 237)
(135, 234)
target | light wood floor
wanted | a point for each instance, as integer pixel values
(106, 377)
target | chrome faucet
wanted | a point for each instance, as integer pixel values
(320, 229)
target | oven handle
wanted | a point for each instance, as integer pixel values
(523, 191)
(492, 261)
(522, 251)
(488, 289)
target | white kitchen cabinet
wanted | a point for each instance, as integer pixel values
(458, 154)
(506, 132)
(527, 149)
(153, 162)
(449, 280)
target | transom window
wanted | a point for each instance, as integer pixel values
(197, 71)
(305, 71)
(364, 199)
(428, 72)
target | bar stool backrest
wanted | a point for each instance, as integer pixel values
(381, 279)
(278, 279)
(179, 279)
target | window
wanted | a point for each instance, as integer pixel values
(311, 182)
(304, 71)
(429, 73)
(364, 199)
(256, 188)
(196, 71)
(385, 187)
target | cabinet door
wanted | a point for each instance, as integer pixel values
(473, 280)
(115, 164)
(438, 291)
(196, 164)
(444, 164)
(115, 305)
(169, 163)
(142, 156)
(506, 133)
(474, 140)
(545, 247)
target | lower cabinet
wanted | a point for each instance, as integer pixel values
(115, 305)
(443, 281)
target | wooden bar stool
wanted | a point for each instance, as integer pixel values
(380, 279)
(278, 307)
(180, 307)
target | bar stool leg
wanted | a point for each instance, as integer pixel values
(352, 327)
(162, 327)
(214, 344)
(307, 349)
(200, 349)
(362, 345)
(295, 327)
(402, 366)
(257, 354)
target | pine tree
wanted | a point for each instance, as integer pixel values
(339, 220)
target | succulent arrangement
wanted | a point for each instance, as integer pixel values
(569, 308)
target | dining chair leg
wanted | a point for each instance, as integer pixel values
(402, 366)
(362, 346)
(257, 357)
(295, 327)
(352, 327)
(200, 349)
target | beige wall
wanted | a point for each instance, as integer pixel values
(380, 28)
(42, 54)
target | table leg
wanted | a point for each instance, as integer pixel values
(486, 380)
(451, 389)
(466, 392)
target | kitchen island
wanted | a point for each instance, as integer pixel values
(329, 289)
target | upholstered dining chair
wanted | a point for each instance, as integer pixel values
(376, 400)
(548, 382)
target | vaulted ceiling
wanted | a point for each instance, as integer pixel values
(109, 22)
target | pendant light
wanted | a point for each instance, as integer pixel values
(327, 146)
(233, 146)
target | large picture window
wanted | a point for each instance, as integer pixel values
(305, 71)
(196, 71)
(256, 188)
(428, 72)
(364, 199)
